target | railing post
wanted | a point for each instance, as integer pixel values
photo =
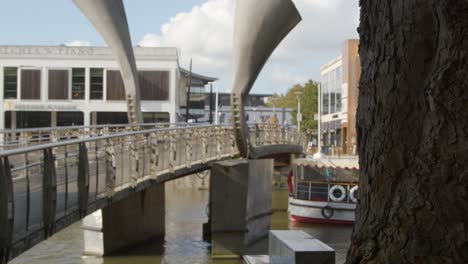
(310, 190)
(49, 192)
(233, 141)
(6, 210)
(172, 151)
(83, 179)
(165, 153)
(218, 144)
(134, 161)
(204, 145)
(154, 148)
(110, 168)
(283, 141)
(189, 147)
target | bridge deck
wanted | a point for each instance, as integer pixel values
(45, 187)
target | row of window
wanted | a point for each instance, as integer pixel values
(154, 85)
(24, 119)
(331, 92)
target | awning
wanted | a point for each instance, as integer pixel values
(328, 162)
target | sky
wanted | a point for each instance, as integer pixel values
(201, 29)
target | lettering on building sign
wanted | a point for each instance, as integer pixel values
(49, 51)
(44, 107)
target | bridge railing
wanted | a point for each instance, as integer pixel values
(13, 138)
(45, 187)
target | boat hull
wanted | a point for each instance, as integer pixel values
(321, 212)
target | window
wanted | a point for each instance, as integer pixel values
(339, 107)
(31, 84)
(115, 86)
(154, 85)
(78, 83)
(104, 118)
(25, 119)
(325, 94)
(156, 117)
(70, 119)
(58, 84)
(10, 82)
(96, 84)
(331, 91)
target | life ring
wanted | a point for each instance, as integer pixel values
(352, 194)
(331, 193)
(330, 212)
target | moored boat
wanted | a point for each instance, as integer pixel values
(324, 190)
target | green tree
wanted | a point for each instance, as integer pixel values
(309, 102)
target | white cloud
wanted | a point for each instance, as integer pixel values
(205, 35)
(286, 77)
(78, 43)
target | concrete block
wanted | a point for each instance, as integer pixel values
(259, 259)
(297, 247)
(240, 195)
(138, 218)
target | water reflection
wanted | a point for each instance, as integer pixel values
(185, 214)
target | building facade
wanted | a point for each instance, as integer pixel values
(43, 86)
(339, 93)
(256, 110)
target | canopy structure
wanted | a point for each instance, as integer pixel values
(327, 169)
(341, 163)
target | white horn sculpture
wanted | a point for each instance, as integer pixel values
(110, 20)
(260, 25)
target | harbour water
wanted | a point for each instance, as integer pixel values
(185, 213)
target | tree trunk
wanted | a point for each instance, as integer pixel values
(412, 126)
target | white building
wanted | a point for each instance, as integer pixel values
(340, 91)
(45, 86)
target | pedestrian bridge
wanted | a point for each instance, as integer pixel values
(53, 177)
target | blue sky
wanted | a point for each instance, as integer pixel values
(202, 29)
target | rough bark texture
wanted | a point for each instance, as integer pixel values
(413, 133)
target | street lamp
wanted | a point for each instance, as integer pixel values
(299, 115)
(273, 100)
(319, 155)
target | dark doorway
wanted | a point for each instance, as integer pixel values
(70, 118)
(107, 118)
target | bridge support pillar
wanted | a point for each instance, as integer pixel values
(136, 219)
(240, 204)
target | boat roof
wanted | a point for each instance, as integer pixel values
(347, 163)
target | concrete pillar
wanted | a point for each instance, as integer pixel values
(53, 119)
(86, 118)
(240, 197)
(130, 222)
(93, 118)
(13, 120)
(87, 85)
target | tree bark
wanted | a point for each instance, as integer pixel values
(412, 123)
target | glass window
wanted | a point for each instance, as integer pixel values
(78, 83)
(115, 86)
(325, 97)
(338, 90)
(331, 89)
(156, 117)
(31, 84)
(70, 119)
(96, 84)
(58, 84)
(10, 82)
(34, 119)
(154, 85)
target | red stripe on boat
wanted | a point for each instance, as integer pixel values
(302, 219)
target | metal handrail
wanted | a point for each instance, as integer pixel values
(46, 129)
(23, 150)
